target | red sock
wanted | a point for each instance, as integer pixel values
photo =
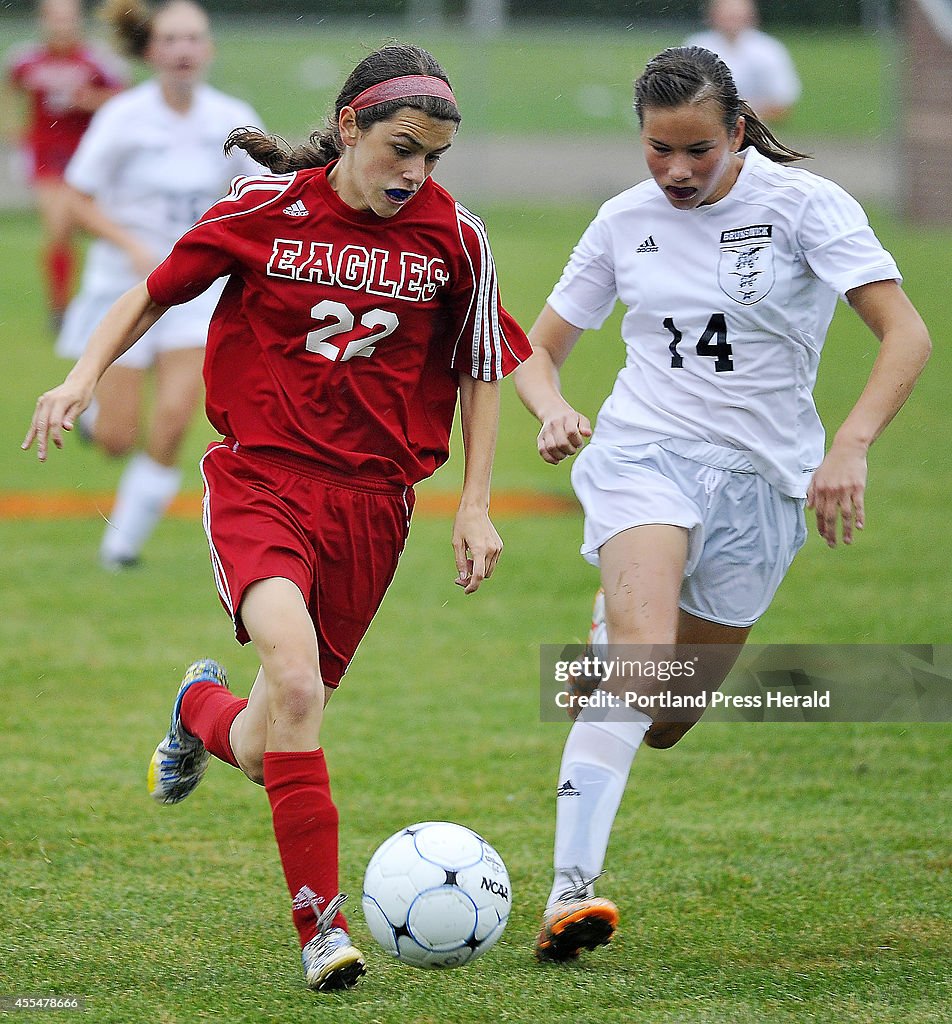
(305, 826)
(207, 712)
(59, 274)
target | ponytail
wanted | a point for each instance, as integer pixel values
(131, 23)
(758, 136)
(278, 156)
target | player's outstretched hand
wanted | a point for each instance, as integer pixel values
(836, 493)
(56, 411)
(562, 435)
(477, 547)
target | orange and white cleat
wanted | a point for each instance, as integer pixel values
(577, 920)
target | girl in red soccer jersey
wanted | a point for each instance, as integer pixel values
(65, 80)
(360, 301)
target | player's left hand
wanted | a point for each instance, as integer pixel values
(56, 411)
(477, 547)
(836, 492)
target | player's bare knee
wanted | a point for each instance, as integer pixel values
(663, 735)
(295, 693)
(116, 444)
(165, 445)
(253, 768)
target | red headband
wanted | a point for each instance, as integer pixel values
(400, 88)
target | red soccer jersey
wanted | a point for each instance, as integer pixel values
(52, 81)
(340, 334)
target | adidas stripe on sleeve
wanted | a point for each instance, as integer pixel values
(485, 346)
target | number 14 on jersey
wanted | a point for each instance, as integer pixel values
(712, 343)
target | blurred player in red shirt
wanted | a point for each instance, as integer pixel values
(65, 80)
(361, 306)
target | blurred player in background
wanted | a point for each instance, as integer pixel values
(763, 69)
(361, 305)
(150, 164)
(64, 79)
(729, 263)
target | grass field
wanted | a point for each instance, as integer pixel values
(766, 874)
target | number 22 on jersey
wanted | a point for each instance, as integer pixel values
(380, 322)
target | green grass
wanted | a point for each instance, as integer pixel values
(557, 82)
(766, 874)
(568, 81)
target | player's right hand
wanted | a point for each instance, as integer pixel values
(563, 435)
(56, 411)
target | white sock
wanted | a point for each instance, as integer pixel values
(595, 765)
(87, 419)
(145, 491)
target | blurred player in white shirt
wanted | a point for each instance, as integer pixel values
(149, 165)
(761, 65)
(729, 264)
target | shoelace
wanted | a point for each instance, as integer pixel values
(326, 917)
(580, 884)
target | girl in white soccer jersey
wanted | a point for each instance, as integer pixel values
(149, 165)
(729, 264)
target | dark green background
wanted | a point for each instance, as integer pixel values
(774, 13)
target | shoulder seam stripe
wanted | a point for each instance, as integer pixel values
(240, 186)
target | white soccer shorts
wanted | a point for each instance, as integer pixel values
(184, 326)
(743, 533)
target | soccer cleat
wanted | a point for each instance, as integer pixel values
(119, 563)
(331, 961)
(180, 760)
(577, 920)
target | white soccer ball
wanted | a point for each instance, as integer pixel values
(436, 894)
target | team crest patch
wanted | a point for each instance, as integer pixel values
(745, 271)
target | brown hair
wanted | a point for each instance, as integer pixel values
(691, 74)
(324, 145)
(132, 22)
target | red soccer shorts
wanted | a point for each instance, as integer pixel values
(338, 540)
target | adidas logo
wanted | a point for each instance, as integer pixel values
(306, 897)
(567, 789)
(296, 209)
(648, 245)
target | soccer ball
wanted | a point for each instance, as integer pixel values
(436, 894)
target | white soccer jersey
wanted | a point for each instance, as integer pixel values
(155, 171)
(728, 306)
(760, 65)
